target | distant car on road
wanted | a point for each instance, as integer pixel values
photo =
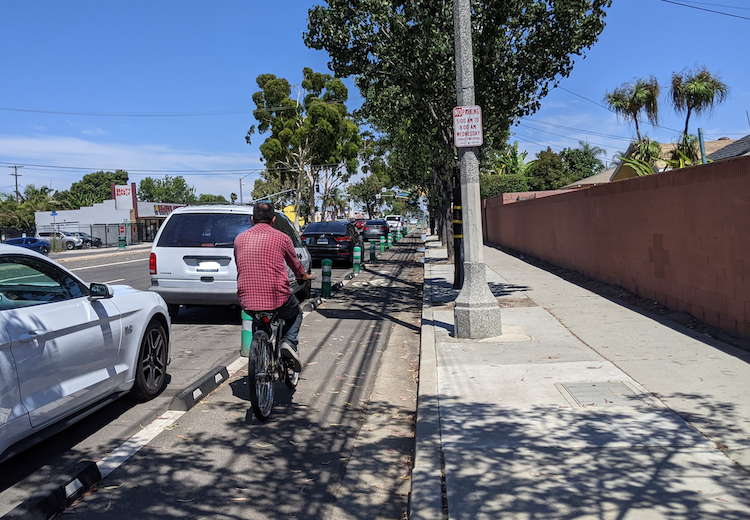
(360, 223)
(35, 244)
(374, 229)
(334, 240)
(67, 347)
(66, 239)
(88, 240)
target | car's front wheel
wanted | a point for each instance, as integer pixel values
(70, 245)
(45, 250)
(151, 370)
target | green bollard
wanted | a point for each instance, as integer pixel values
(325, 266)
(390, 240)
(357, 259)
(373, 256)
(382, 244)
(399, 236)
(247, 334)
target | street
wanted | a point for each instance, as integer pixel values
(342, 441)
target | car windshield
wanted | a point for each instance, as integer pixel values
(329, 228)
(204, 229)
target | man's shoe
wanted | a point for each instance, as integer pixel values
(289, 353)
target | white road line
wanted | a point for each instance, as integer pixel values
(109, 265)
(130, 447)
(118, 280)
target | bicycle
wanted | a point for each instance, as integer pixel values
(265, 364)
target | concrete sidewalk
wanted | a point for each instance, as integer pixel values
(584, 408)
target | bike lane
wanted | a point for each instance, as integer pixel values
(342, 444)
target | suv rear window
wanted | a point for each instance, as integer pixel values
(337, 228)
(204, 229)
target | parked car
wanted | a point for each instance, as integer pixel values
(67, 347)
(35, 244)
(65, 238)
(360, 224)
(192, 258)
(395, 222)
(333, 240)
(374, 229)
(88, 240)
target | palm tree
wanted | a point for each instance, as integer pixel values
(696, 91)
(630, 99)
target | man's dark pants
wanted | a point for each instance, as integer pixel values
(291, 313)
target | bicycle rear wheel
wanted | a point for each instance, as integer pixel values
(289, 376)
(260, 374)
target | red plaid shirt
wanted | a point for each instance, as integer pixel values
(261, 254)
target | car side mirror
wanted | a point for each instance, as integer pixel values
(100, 291)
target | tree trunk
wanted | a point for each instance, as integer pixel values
(298, 199)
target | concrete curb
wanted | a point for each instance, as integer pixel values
(55, 497)
(427, 490)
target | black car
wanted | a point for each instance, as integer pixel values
(35, 244)
(374, 229)
(333, 240)
(88, 240)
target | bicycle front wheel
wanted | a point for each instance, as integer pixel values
(260, 373)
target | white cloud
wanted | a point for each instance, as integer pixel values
(94, 132)
(70, 152)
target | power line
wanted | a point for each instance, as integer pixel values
(706, 10)
(717, 5)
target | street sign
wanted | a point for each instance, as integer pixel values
(53, 214)
(122, 229)
(467, 127)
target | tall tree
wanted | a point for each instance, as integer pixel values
(402, 55)
(695, 92)
(547, 171)
(631, 99)
(582, 162)
(169, 189)
(92, 188)
(311, 134)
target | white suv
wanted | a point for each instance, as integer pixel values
(68, 240)
(394, 222)
(192, 259)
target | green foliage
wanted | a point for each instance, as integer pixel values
(640, 166)
(506, 161)
(402, 55)
(647, 151)
(546, 172)
(630, 99)
(207, 198)
(169, 189)
(582, 162)
(20, 216)
(493, 184)
(308, 134)
(92, 188)
(696, 91)
(688, 147)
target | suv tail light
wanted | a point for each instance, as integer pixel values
(343, 239)
(367, 228)
(152, 263)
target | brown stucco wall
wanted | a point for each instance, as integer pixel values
(681, 238)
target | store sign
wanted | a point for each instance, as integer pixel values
(123, 197)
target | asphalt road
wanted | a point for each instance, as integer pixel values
(313, 432)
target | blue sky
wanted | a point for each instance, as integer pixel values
(165, 87)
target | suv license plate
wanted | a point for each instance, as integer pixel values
(208, 266)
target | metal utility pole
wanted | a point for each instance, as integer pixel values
(16, 175)
(477, 313)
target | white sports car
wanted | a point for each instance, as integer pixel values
(67, 348)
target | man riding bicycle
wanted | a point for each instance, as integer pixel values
(261, 254)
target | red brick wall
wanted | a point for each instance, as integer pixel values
(681, 238)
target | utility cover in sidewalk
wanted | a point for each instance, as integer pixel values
(604, 393)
